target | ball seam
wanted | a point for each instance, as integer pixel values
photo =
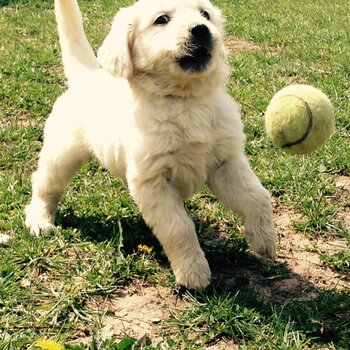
(308, 129)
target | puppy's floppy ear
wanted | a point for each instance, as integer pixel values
(115, 54)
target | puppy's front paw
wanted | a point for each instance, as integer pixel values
(39, 228)
(37, 221)
(263, 243)
(192, 271)
(266, 251)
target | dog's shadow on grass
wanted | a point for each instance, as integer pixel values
(99, 228)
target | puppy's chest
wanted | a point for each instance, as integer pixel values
(180, 130)
(179, 144)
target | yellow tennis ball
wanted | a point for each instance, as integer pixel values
(299, 119)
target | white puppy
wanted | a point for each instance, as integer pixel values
(160, 119)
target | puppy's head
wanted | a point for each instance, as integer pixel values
(172, 47)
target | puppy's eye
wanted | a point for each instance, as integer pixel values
(205, 14)
(162, 20)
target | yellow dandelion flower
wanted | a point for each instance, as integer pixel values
(143, 248)
(48, 345)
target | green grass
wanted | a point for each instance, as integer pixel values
(48, 285)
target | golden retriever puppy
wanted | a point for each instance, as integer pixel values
(157, 116)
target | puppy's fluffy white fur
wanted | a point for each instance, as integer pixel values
(166, 129)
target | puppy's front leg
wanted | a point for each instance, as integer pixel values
(162, 208)
(236, 185)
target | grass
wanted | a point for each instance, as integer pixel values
(55, 287)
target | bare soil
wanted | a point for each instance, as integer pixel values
(302, 254)
(140, 310)
(236, 45)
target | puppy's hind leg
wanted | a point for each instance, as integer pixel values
(61, 156)
(236, 185)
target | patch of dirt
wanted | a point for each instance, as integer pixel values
(138, 311)
(236, 45)
(302, 269)
(302, 256)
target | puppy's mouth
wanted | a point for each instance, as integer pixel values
(199, 47)
(196, 61)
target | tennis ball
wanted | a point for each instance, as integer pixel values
(299, 119)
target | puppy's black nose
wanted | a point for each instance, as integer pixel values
(201, 34)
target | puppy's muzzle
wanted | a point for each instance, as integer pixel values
(199, 49)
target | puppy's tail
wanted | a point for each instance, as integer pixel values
(77, 54)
